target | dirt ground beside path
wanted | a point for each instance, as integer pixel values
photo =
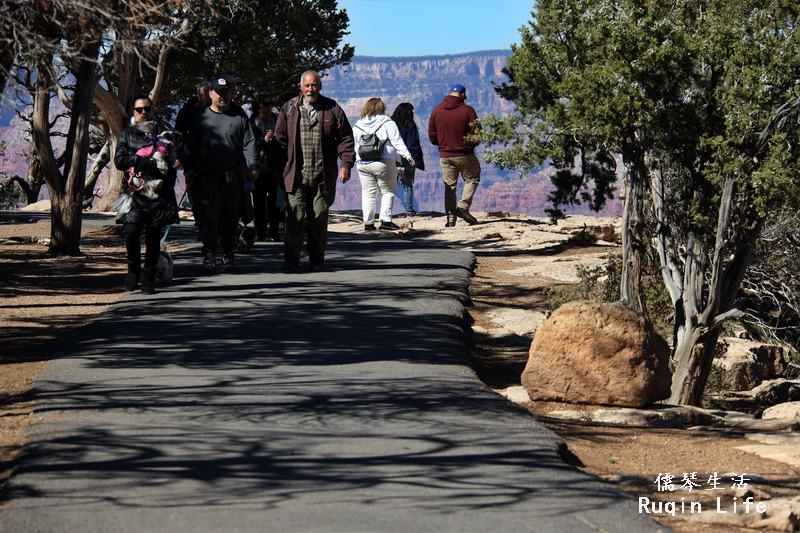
(44, 299)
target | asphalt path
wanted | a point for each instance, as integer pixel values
(263, 401)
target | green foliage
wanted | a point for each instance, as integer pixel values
(265, 43)
(598, 284)
(602, 284)
(660, 310)
(693, 83)
(11, 196)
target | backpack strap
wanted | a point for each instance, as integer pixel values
(375, 131)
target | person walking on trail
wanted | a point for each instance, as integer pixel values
(192, 107)
(450, 122)
(403, 116)
(315, 133)
(220, 149)
(270, 171)
(148, 210)
(185, 116)
(379, 149)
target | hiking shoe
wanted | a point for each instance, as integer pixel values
(450, 224)
(209, 266)
(369, 227)
(389, 226)
(463, 213)
(228, 262)
(290, 267)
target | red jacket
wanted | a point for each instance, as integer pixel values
(337, 141)
(450, 122)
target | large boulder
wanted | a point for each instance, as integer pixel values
(746, 363)
(597, 354)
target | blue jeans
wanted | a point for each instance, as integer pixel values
(405, 180)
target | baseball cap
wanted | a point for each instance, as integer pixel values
(458, 88)
(224, 81)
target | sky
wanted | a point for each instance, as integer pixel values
(433, 27)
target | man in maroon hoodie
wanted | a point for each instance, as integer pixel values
(450, 122)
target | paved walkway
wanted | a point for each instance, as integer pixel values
(338, 401)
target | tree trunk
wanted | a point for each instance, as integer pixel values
(35, 177)
(41, 126)
(698, 334)
(65, 232)
(98, 165)
(116, 111)
(114, 181)
(632, 230)
(694, 355)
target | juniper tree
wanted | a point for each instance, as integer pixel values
(265, 43)
(699, 101)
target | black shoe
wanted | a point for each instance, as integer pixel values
(274, 236)
(370, 227)
(463, 213)
(131, 282)
(209, 265)
(290, 267)
(228, 262)
(317, 267)
(450, 224)
(389, 226)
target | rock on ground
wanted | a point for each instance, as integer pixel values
(790, 410)
(747, 363)
(597, 353)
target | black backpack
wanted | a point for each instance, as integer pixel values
(370, 147)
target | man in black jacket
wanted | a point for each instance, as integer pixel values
(220, 148)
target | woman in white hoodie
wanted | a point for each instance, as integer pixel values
(377, 168)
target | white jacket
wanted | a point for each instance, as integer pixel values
(385, 128)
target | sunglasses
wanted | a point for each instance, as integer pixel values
(145, 109)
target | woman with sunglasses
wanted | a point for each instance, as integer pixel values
(146, 215)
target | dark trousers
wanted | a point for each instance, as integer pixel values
(216, 202)
(267, 215)
(307, 205)
(152, 246)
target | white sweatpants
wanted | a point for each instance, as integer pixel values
(377, 176)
